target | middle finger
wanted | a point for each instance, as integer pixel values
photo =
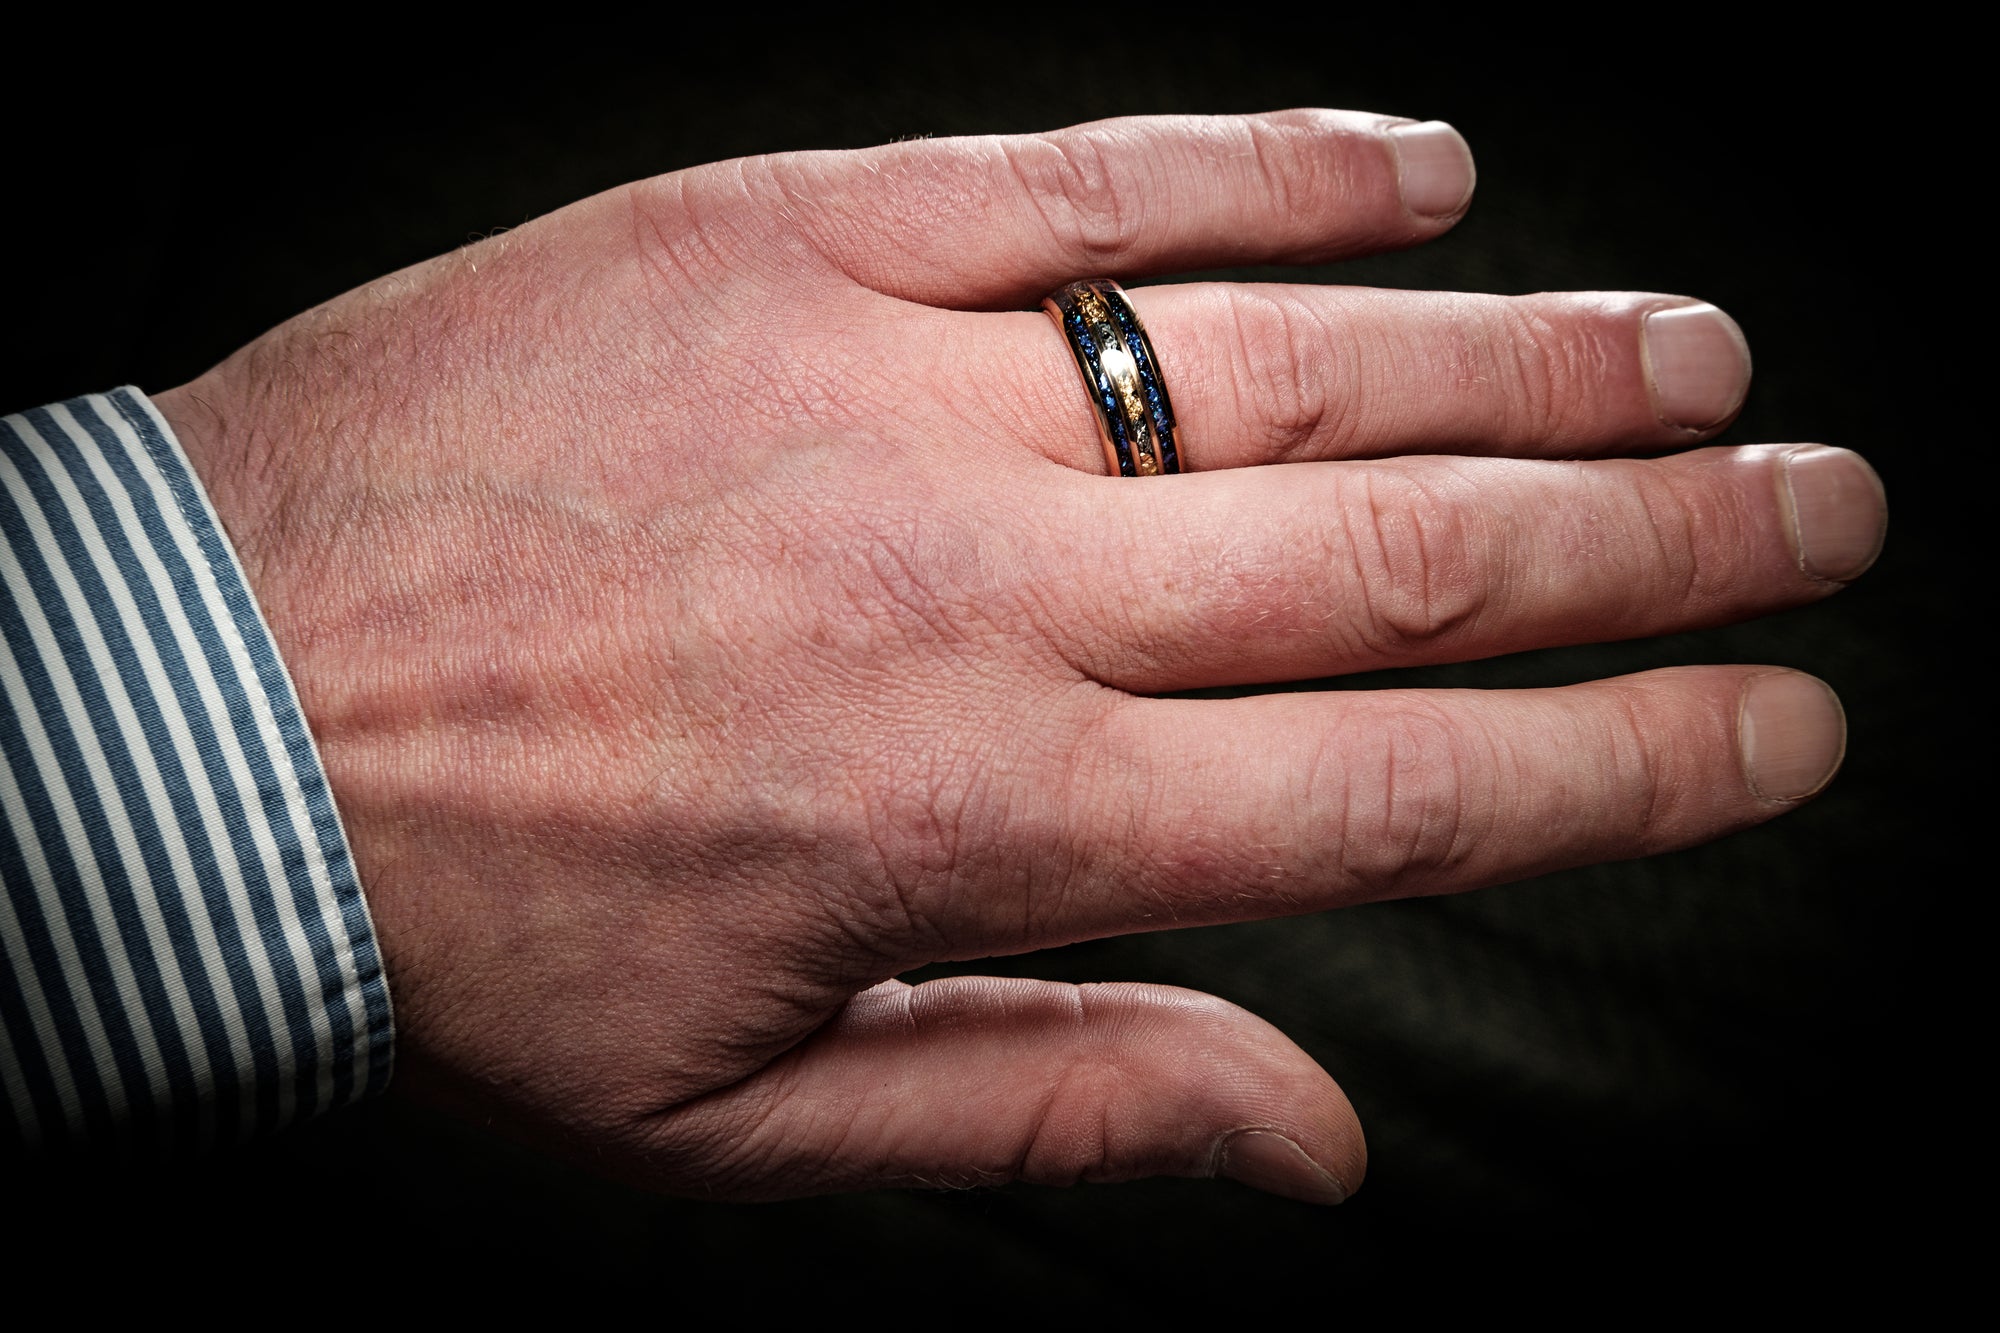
(1318, 569)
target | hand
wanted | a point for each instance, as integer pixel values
(705, 616)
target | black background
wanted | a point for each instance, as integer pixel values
(1730, 1072)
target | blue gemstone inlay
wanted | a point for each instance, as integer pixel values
(1157, 401)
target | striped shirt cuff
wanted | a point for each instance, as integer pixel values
(185, 954)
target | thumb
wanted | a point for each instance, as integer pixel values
(982, 1080)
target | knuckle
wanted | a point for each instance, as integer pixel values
(1068, 1137)
(1669, 535)
(1284, 361)
(1642, 773)
(1070, 177)
(1657, 763)
(1546, 364)
(1410, 808)
(1560, 364)
(1415, 551)
(1291, 180)
(1097, 1119)
(1309, 164)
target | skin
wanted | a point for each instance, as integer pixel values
(709, 604)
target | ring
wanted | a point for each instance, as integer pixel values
(1135, 418)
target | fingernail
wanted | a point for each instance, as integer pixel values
(1265, 1159)
(1838, 512)
(1434, 166)
(1792, 733)
(1699, 364)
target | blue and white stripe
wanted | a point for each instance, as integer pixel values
(185, 954)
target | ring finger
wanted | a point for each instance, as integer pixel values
(1267, 373)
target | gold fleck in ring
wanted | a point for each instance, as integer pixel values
(1121, 374)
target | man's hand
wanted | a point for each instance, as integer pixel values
(710, 605)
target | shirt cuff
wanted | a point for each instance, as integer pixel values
(185, 953)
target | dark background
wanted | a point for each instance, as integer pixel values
(1734, 1071)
